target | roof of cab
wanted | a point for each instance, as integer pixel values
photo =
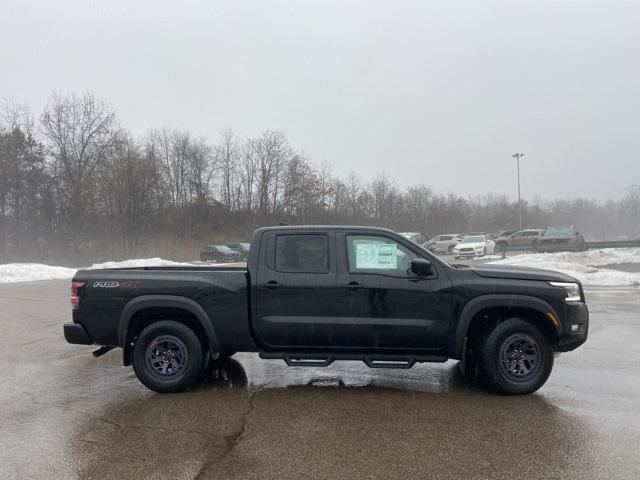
(325, 227)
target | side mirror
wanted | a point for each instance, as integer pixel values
(421, 266)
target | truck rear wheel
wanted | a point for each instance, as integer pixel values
(168, 357)
(515, 357)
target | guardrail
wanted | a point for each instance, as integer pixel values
(614, 244)
(588, 246)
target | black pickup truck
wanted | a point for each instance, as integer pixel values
(315, 294)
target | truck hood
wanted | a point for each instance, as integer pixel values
(521, 273)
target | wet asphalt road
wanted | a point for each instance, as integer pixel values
(68, 415)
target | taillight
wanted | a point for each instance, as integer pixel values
(75, 295)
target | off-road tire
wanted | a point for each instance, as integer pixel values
(185, 339)
(225, 355)
(489, 349)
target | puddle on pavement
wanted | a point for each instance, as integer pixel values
(260, 419)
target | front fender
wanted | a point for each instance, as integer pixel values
(477, 304)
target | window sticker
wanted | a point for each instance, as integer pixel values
(376, 256)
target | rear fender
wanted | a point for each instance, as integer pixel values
(159, 301)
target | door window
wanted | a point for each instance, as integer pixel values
(379, 255)
(302, 253)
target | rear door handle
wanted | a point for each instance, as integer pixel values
(271, 285)
(352, 286)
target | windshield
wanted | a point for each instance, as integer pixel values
(473, 239)
(223, 248)
(558, 232)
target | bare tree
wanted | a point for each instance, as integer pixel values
(272, 151)
(228, 156)
(80, 131)
(129, 183)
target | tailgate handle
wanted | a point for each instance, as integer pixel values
(271, 285)
(352, 286)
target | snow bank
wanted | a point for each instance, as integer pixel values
(35, 272)
(585, 266)
(139, 262)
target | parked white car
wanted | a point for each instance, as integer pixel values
(443, 243)
(474, 246)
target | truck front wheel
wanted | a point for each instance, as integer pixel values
(515, 357)
(168, 357)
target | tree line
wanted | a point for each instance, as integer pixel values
(76, 185)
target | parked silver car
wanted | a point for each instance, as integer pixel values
(521, 238)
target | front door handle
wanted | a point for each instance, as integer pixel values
(271, 285)
(352, 286)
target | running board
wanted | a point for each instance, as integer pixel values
(372, 361)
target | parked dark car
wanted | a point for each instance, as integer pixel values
(415, 237)
(219, 253)
(317, 294)
(555, 239)
(242, 247)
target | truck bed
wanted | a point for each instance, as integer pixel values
(220, 290)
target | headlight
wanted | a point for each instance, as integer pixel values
(572, 289)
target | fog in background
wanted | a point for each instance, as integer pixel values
(434, 92)
(133, 129)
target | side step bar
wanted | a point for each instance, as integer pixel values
(372, 361)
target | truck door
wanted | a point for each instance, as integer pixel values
(386, 306)
(296, 289)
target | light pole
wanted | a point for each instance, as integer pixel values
(517, 157)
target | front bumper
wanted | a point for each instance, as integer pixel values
(467, 253)
(575, 326)
(76, 333)
(556, 247)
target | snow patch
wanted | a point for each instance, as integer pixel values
(139, 262)
(37, 272)
(33, 272)
(585, 266)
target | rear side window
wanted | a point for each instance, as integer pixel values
(302, 254)
(445, 237)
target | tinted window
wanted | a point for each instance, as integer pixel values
(473, 239)
(559, 232)
(302, 253)
(373, 254)
(445, 237)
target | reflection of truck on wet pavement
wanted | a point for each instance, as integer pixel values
(314, 295)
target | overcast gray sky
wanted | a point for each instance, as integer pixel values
(434, 92)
